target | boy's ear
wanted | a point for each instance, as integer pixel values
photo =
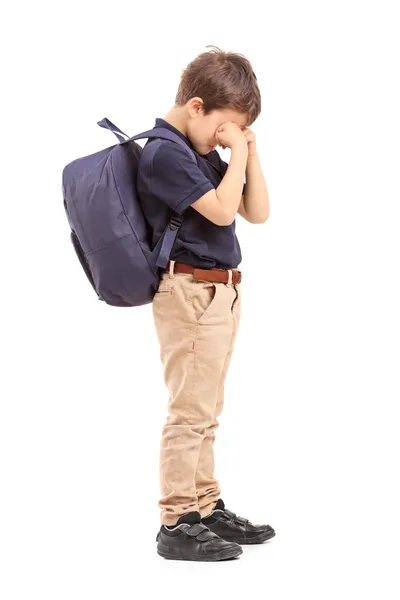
(195, 105)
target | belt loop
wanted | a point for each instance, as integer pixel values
(229, 284)
(171, 269)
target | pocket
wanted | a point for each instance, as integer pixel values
(235, 308)
(202, 298)
(164, 286)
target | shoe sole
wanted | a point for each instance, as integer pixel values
(223, 555)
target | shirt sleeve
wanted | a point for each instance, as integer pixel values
(224, 165)
(176, 179)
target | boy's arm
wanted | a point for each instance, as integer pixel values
(221, 204)
(254, 204)
(229, 192)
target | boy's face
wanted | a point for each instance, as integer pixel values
(202, 128)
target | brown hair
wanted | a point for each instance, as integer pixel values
(222, 80)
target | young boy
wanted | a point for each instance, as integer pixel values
(197, 305)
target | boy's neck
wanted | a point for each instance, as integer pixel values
(178, 118)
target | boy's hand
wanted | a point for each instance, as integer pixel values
(251, 141)
(230, 135)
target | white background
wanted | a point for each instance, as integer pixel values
(309, 436)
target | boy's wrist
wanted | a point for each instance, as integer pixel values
(252, 155)
(240, 147)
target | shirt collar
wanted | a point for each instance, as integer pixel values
(163, 123)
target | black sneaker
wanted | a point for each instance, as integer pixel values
(228, 526)
(190, 539)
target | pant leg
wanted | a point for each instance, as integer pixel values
(193, 320)
(207, 486)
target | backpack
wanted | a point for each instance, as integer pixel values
(109, 232)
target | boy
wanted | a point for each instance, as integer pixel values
(196, 308)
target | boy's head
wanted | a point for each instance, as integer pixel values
(216, 87)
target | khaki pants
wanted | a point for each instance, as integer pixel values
(196, 323)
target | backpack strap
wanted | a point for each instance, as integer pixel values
(168, 239)
(171, 230)
(165, 134)
(169, 235)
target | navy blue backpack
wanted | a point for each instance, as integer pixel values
(108, 229)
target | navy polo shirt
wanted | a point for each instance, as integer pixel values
(168, 182)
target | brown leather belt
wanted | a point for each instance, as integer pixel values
(214, 274)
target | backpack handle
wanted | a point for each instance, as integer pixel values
(106, 123)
